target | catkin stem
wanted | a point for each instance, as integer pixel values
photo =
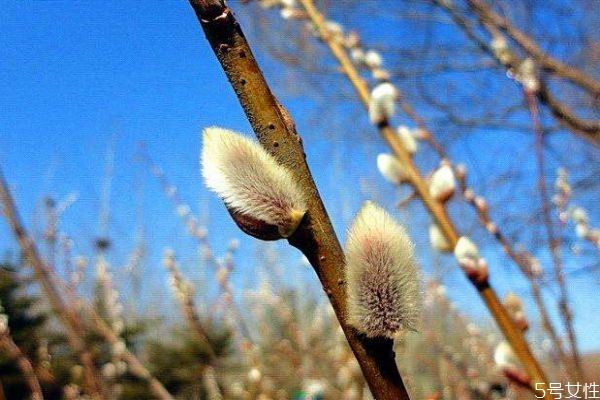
(315, 237)
(437, 211)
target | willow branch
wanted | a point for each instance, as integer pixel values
(587, 129)
(66, 315)
(553, 241)
(513, 335)
(523, 262)
(14, 352)
(315, 237)
(547, 63)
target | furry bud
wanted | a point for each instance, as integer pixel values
(442, 183)
(501, 50)
(481, 204)
(382, 105)
(581, 230)
(408, 139)
(467, 256)
(352, 40)
(469, 194)
(291, 13)
(391, 169)
(513, 303)
(504, 356)
(358, 55)
(461, 171)
(373, 59)
(382, 275)
(335, 30)
(465, 248)
(438, 240)
(491, 228)
(259, 193)
(527, 75)
(507, 361)
(579, 216)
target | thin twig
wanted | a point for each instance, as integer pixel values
(553, 241)
(588, 129)
(548, 63)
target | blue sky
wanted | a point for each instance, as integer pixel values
(76, 74)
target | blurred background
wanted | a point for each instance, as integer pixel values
(100, 134)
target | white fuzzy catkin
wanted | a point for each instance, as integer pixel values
(382, 105)
(579, 216)
(373, 59)
(465, 248)
(504, 356)
(408, 139)
(391, 169)
(438, 240)
(442, 183)
(381, 274)
(581, 230)
(501, 50)
(358, 55)
(250, 181)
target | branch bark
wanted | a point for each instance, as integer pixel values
(315, 237)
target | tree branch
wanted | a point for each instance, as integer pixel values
(587, 129)
(547, 63)
(315, 237)
(436, 209)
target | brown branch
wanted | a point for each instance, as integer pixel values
(546, 62)
(483, 214)
(436, 209)
(14, 352)
(553, 241)
(67, 316)
(587, 129)
(315, 237)
(523, 262)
